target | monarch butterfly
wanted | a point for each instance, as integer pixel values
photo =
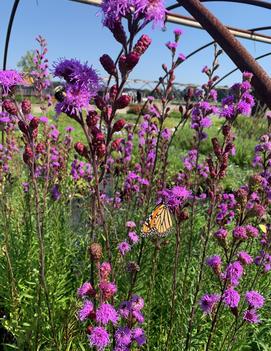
(28, 78)
(159, 222)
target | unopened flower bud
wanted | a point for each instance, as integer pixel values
(117, 127)
(119, 33)
(101, 150)
(108, 64)
(100, 103)
(122, 65)
(113, 92)
(96, 252)
(81, 149)
(28, 154)
(26, 106)
(216, 147)
(40, 148)
(23, 127)
(132, 60)
(10, 107)
(92, 119)
(226, 130)
(99, 137)
(142, 44)
(116, 144)
(89, 329)
(34, 123)
(123, 101)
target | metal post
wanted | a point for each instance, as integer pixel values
(239, 55)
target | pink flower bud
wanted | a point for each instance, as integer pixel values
(116, 144)
(123, 101)
(108, 64)
(23, 127)
(92, 119)
(34, 123)
(81, 149)
(100, 103)
(99, 138)
(26, 106)
(119, 33)
(119, 125)
(101, 150)
(10, 107)
(113, 91)
(132, 60)
(142, 45)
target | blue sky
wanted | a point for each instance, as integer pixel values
(75, 30)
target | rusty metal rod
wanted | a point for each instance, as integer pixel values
(258, 3)
(233, 48)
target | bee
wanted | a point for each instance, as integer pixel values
(60, 93)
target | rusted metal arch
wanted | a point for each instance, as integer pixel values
(10, 23)
(258, 3)
(232, 47)
(213, 41)
(236, 69)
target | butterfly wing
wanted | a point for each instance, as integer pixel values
(163, 223)
(159, 222)
(263, 228)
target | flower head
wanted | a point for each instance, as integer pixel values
(99, 337)
(86, 310)
(208, 301)
(105, 270)
(139, 336)
(106, 313)
(85, 289)
(78, 74)
(107, 289)
(133, 237)
(234, 272)
(123, 336)
(231, 298)
(130, 224)
(245, 258)
(254, 299)
(9, 79)
(251, 316)
(124, 247)
(137, 303)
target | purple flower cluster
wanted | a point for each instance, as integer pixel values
(9, 80)
(175, 197)
(239, 102)
(82, 84)
(200, 118)
(149, 10)
(125, 319)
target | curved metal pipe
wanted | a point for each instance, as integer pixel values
(10, 23)
(236, 69)
(258, 3)
(232, 47)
